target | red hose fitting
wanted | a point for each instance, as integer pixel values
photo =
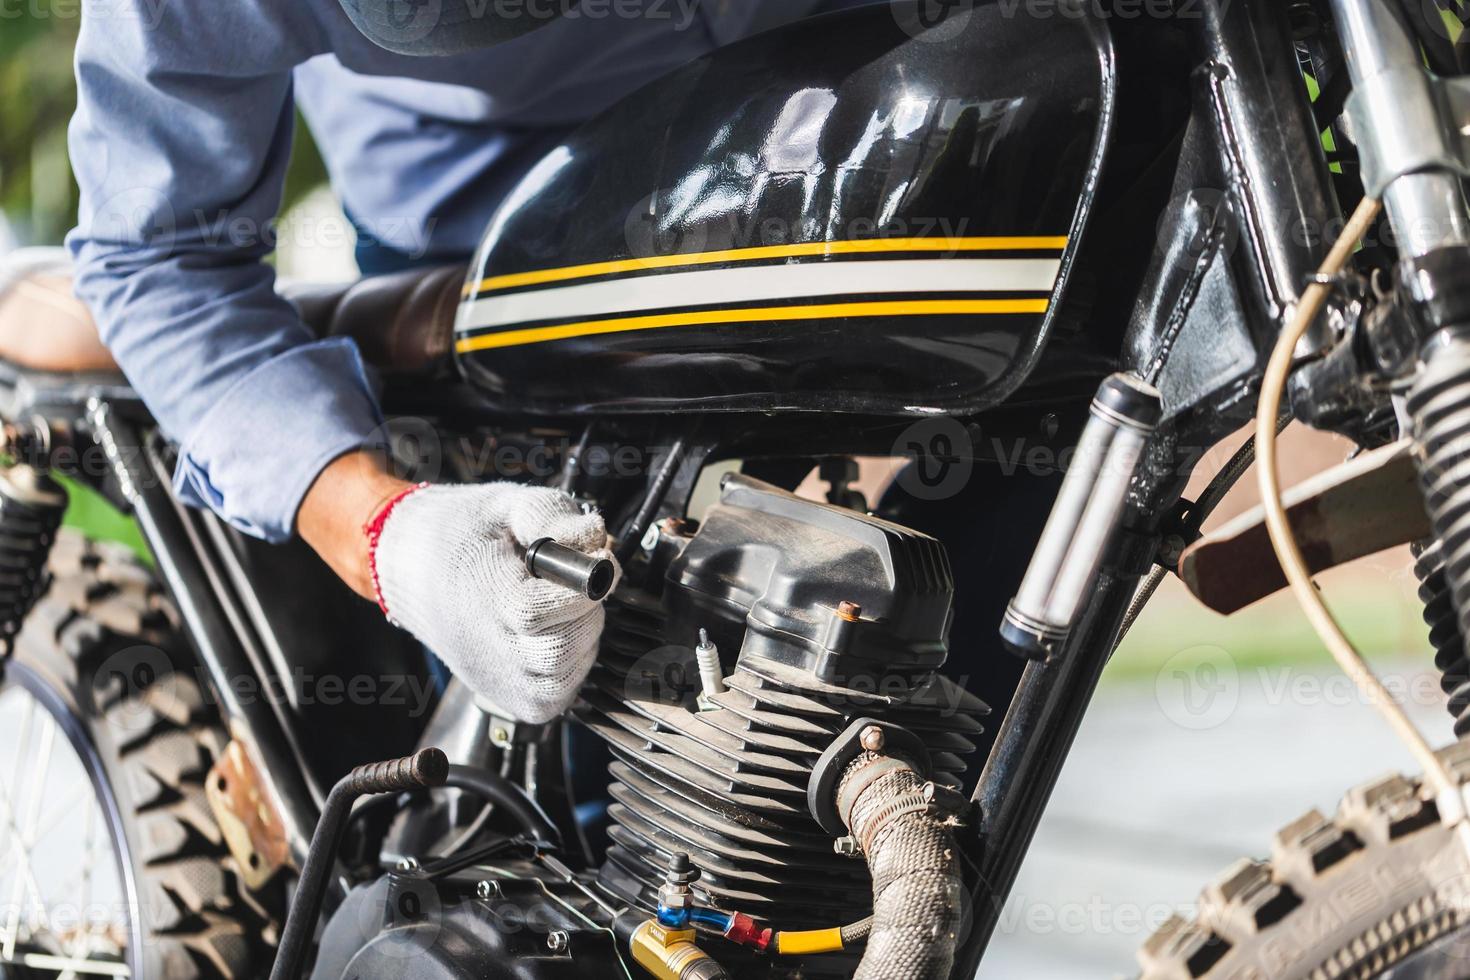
(743, 930)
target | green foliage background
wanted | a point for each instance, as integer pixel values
(37, 94)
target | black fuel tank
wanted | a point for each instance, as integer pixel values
(864, 212)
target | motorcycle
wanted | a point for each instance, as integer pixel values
(1108, 231)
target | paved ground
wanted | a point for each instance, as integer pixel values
(1172, 781)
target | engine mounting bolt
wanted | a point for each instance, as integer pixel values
(487, 890)
(873, 739)
(679, 527)
(849, 611)
(558, 941)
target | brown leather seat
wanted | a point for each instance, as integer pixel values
(403, 323)
(43, 327)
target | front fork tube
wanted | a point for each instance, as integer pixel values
(1398, 110)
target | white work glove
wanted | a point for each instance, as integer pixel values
(449, 566)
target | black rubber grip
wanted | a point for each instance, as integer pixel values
(422, 770)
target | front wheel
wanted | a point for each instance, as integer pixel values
(1380, 890)
(111, 863)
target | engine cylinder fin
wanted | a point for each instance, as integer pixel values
(720, 744)
(635, 789)
(799, 897)
(726, 859)
(742, 704)
(689, 754)
(720, 805)
(734, 725)
(625, 747)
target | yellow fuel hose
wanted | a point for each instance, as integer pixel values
(803, 943)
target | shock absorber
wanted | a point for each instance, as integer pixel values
(1444, 632)
(1439, 403)
(1412, 159)
(31, 507)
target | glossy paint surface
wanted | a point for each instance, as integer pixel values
(852, 214)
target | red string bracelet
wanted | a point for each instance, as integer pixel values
(373, 529)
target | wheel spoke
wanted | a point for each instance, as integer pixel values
(101, 968)
(11, 805)
(23, 830)
(89, 836)
(50, 821)
(40, 798)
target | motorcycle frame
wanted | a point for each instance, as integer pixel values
(1250, 116)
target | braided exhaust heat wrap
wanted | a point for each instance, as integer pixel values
(914, 863)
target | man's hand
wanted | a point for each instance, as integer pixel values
(450, 568)
(447, 563)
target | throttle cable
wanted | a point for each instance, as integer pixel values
(1447, 790)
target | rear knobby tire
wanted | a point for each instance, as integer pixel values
(1382, 889)
(104, 643)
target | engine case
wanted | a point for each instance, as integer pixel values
(530, 926)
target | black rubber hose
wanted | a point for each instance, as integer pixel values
(425, 768)
(507, 797)
(633, 534)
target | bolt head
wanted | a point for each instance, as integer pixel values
(872, 739)
(849, 611)
(487, 890)
(558, 941)
(408, 864)
(846, 846)
(677, 527)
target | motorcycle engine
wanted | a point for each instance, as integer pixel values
(818, 616)
(821, 616)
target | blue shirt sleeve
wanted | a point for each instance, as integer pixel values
(180, 144)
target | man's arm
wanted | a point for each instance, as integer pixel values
(180, 144)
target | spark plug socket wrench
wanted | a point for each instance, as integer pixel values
(587, 575)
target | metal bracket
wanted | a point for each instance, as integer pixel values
(1357, 508)
(1406, 121)
(507, 733)
(247, 817)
